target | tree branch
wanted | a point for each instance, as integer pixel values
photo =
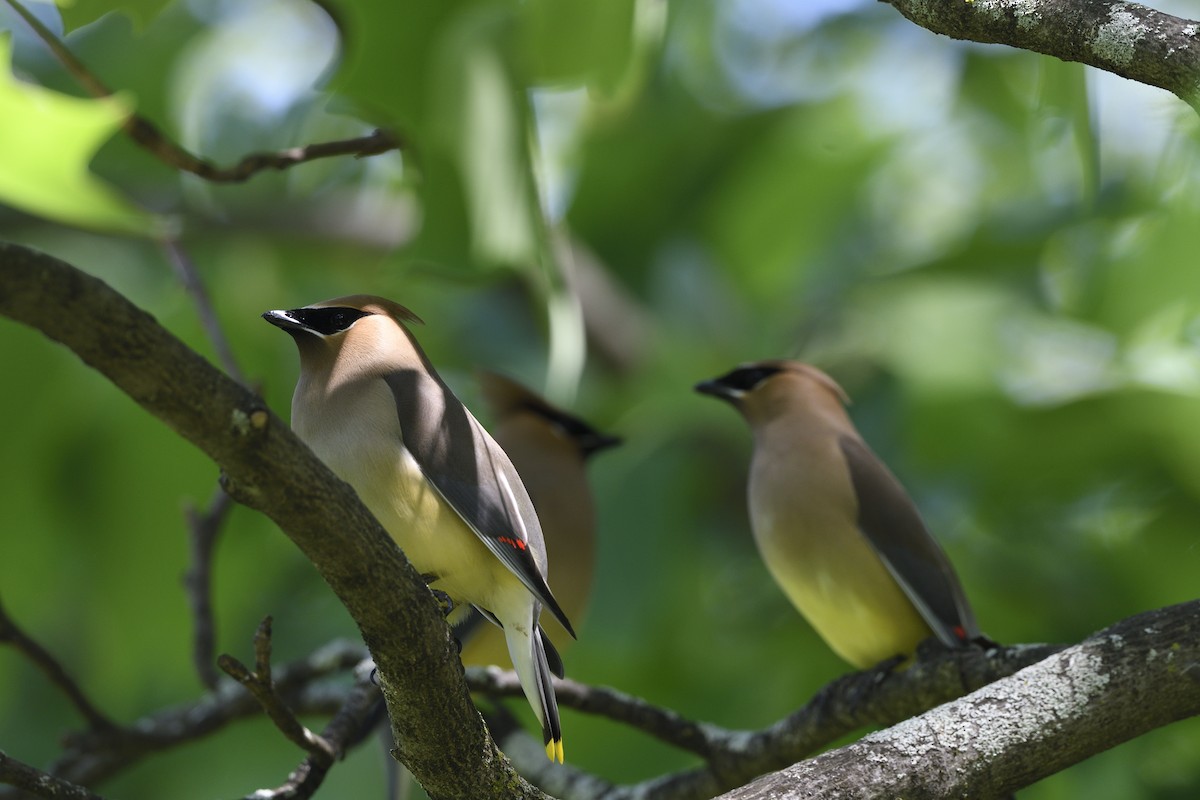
(189, 276)
(147, 134)
(359, 707)
(203, 529)
(440, 736)
(259, 684)
(879, 696)
(95, 755)
(11, 633)
(92, 756)
(34, 781)
(1127, 39)
(1114, 686)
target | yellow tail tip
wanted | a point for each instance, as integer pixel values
(554, 750)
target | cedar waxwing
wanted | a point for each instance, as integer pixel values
(833, 525)
(548, 447)
(371, 406)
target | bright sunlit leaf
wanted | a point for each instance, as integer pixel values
(45, 146)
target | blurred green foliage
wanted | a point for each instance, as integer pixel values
(995, 252)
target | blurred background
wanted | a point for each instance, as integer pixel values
(995, 252)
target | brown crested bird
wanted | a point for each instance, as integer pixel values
(372, 407)
(834, 527)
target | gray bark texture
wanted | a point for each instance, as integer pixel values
(1127, 39)
(1140, 674)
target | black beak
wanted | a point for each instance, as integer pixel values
(283, 319)
(716, 389)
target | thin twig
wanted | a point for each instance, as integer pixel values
(48, 664)
(33, 780)
(204, 527)
(377, 142)
(147, 134)
(185, 270)
(94, 756)
(661, 723)
(260, 685)
(358, 713)
(68, 59)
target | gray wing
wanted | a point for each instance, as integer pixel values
(473, 475)
(890, 521)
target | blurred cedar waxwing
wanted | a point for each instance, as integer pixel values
(833, 525)
(548, 447)
(370, 404)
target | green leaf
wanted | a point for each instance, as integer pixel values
(478, 93)
(77, 13)
(444, 73)
(387, 49)
(574, 41)
(45, 146)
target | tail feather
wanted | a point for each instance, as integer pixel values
(551, 726)
(552, 656)
(534, 669)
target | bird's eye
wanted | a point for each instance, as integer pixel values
(745, 379)
(328, 321)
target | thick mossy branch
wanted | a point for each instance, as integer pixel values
(441, 736)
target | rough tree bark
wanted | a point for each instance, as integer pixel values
(1127, 39)
(1137, 675)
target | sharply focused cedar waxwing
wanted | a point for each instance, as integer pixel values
(370, 404)
(548, 447)
(833, 525)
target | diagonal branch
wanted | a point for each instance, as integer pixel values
(1114, 686)
(1127, 39)
(147, 134)
(185, 270)
(54, 671)
(357, 713)
(258, 682)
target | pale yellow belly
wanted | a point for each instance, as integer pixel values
(848, 596)
(434, 538)
(361, 442)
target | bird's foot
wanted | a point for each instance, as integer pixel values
(444, 602)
